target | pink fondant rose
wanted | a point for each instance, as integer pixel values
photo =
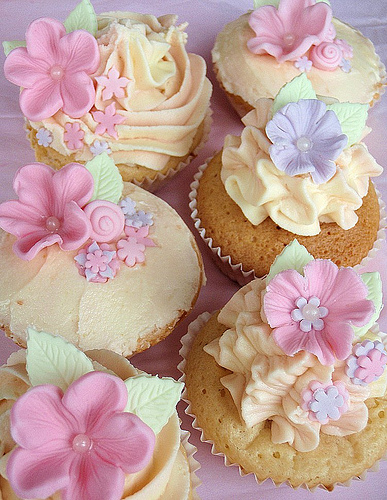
(315, 312)
(80, 442)
(326, 56)
(107, 220)
(49, 208)
(288, 32)
(54, 70)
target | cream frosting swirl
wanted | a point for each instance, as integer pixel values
(296, 203)
(166, 476)
(164, 101)
(266, 384)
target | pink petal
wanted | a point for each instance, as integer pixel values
(317, 343)
(75, 229)
(42, 101)
(38, 473)
(290, 339)
(23, 70)
(38, 418)
(78, 94)
(340, 337)
(269, 30)
(125, 441)
(29, 246)
(73, 182)
(93, 478)
(33, 185)
(19, 219)
(93, 396)
(42, 37)
(80, 53)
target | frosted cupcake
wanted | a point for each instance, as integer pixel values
(104, 264)
(255, 55)
(288, 380)
(299, 169)
(125, 86)
(107, 430)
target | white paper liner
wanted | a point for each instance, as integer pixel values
(194, 465)
(187, 340)
(235, 271)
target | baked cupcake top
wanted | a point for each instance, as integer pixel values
(88, 257)
(271, 45)
(107, 430)
(300, 160)
(122, 84)
(303, 349)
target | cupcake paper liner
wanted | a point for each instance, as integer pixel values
(194, 465)
(234, 270)
(187, 341)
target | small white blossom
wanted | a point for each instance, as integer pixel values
(99, 147)
(345, 65)
(44, 137)
(303, 64)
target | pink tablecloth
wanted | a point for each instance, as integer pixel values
(206, 18)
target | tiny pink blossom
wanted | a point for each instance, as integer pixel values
(141, 235)
(97, 263)
(303, 64)
(113, 83)
(367, 363)
(131, 251)
(81, 442)
(346, 49)
(49, 209)
(328, 298)
(107, 121)
(288, 32)
(74, 135)
(54, 70)
(325, 402)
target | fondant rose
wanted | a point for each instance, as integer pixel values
(326, 56)
(107, 220)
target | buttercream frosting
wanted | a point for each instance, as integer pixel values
(151, 95)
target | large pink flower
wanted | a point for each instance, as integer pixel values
(54, 70)
(49, 208)
(80, 442)
(315, 312)
(288, 32)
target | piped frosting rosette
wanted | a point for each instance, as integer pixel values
(125, 86)
(107, 430)
(300, 161)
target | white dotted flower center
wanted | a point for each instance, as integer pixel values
(304, 144)
(52, 224)
(289, 39)
(309, 314)
(56, 72)
(82, 443)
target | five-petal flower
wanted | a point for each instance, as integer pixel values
(108, 120)
(81, 442)
(113, 83)
(54, 70)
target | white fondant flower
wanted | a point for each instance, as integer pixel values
(44, 137)
(100, 147)
(303, 64)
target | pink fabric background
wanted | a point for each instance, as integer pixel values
(206, 18)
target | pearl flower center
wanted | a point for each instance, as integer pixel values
(56, 72)
(310, 312)
(82, 443)
(304, 144)
(289, 39)
(52, 224)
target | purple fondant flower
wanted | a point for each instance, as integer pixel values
(97, 263)
(306, 138)
(325, 401)
(367, 363)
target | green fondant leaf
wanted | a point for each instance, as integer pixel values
(374, 285)
(293, 256)
(352, 118)
(108, 183)
(8, 46)
(153, 399)
(53, 360)
(298, 88)
(83, 17)
(261, 3)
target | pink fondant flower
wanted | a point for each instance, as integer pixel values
(288, 32)
(141, 234)
(97, 263)
(326, 56)
(325, 402)
(131, 251)
(339, 301)
(54, 70)
(107, 220)
(74, 135)
(346, 49)
(49, 209)
(367, 363)
(80, 442)
(303, 64)
(108, 120)
(113, 83)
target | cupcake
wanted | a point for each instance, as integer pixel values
(288, 380)
(255, 55)
(102, 263)
(107, 429)
(300, 170)
(125, 86)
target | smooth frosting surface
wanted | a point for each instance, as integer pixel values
(123, 314)
(167, 473)
(166, 94)
(296, 203)
(262, 76)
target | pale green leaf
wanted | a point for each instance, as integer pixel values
(53, 360)
(153, 399)
(298, 88)
(83, 17)
(293, 256)
(108, 183)
(374, 285)
(352, 118)
(8, 46)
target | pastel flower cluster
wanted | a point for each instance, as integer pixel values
(367, 363)
(300, 31)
